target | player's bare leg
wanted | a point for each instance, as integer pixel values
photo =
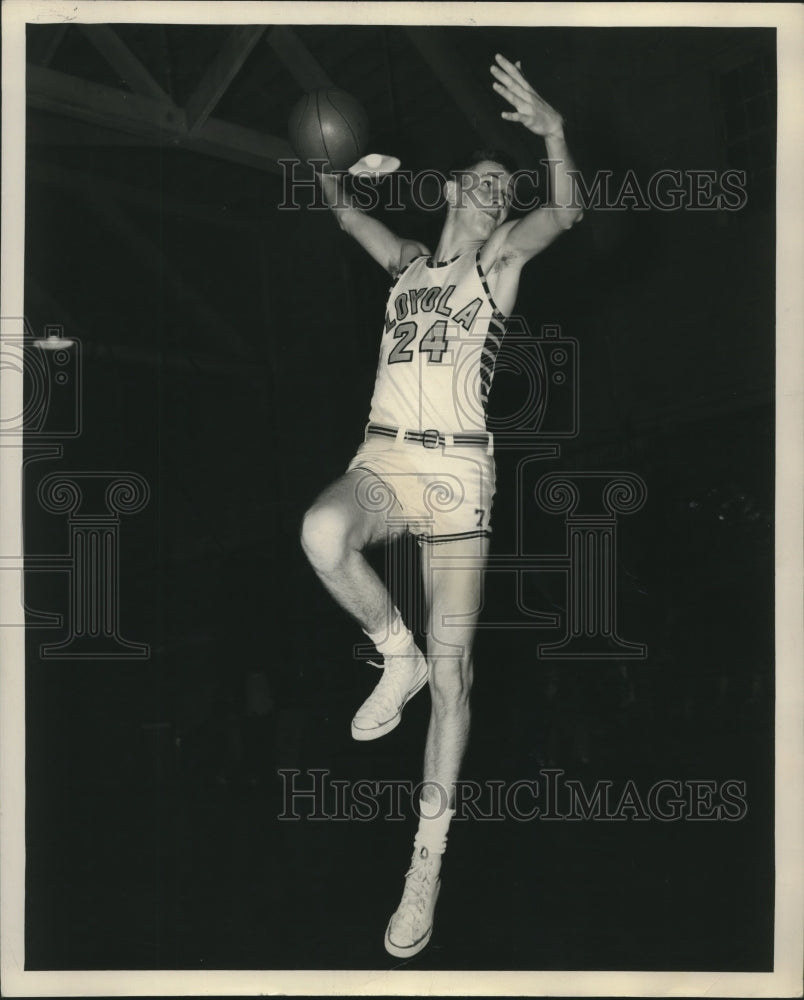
(453, 580)
(335, 531)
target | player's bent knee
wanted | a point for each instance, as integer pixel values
(325, 536)
(450, 680)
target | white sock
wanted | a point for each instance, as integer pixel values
(395, 638)
(434, 820)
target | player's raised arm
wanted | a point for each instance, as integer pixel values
(389, 250)
(531, 234)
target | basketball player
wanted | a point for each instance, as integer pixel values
(427, 461)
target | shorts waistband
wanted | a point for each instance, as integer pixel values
(433, 438)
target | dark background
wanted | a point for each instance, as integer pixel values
(228, 352)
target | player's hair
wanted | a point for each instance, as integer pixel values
(475, 156)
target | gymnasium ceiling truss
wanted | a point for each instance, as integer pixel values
(145, 113)
(119, 101)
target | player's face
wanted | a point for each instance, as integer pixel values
(485, 191)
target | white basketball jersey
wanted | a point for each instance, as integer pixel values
(440, 341)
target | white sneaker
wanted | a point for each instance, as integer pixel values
(402, 677)
(410, 928)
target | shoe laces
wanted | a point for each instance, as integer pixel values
(397, 674)
(420, 881)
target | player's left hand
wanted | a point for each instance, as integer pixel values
(531, 110)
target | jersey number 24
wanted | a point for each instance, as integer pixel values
(434, 342)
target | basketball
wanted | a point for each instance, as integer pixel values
(328, 124)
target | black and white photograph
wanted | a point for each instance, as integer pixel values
(401, 526)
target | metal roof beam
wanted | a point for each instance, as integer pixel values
(64, 94)
(225, 67)
(123, 61)
(61, 93)
(297, 58)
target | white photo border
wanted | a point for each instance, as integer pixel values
(786, 979)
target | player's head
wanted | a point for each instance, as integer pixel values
(480, 186)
